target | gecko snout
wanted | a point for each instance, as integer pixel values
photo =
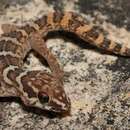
(60, 103)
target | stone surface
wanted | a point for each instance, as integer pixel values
(94, 80)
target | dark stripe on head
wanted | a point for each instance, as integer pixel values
(41, 22)
(45, 76)
(38, 83)
(32, 74)
(28, 89)
(57, 107)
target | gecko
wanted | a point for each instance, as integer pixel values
(37, 88)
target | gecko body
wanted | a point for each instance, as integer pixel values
(37, 88)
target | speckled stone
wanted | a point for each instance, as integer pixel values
(94, 80)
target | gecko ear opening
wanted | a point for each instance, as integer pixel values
(43, 97)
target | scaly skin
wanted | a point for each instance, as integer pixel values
(37, 88)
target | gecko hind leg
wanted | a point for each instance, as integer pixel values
(38, 45)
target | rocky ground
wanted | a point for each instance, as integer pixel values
(94, 80)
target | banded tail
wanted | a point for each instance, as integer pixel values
(72, 22)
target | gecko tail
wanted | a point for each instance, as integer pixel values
(114, 47)
(75, 23)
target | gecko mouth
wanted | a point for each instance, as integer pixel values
(60, 110)
(60, 107)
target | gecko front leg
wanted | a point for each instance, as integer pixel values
(38, 44)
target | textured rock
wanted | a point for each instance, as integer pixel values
(93, 79)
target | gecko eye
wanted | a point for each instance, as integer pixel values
(43, 97)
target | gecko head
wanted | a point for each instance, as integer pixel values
(54, 99)
(48, 94)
